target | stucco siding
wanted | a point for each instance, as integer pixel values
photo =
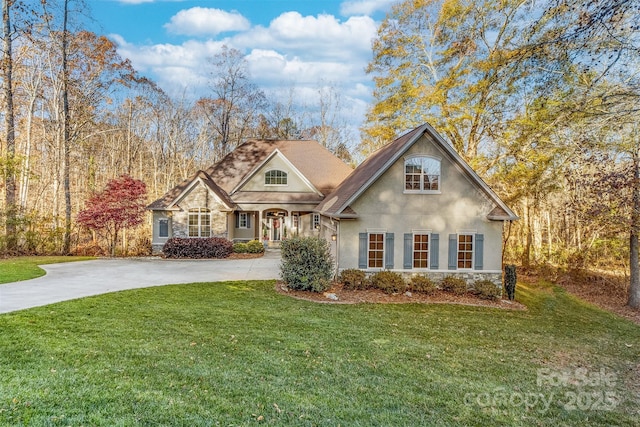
(386, 206)
(294, 182)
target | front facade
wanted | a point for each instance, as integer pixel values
(264, 190)
(414, 206)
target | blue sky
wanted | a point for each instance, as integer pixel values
(304, 44)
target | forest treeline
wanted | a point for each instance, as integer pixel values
(541, 97)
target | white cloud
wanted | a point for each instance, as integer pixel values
(365, 7)
(293, 51)
(199, 21)
(313, 38)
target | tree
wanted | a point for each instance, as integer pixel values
(119, 206)
(446, 62)
(9, 130)
(233, 109)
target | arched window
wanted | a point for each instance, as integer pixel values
(275, 177)
(199, 222)
(422, 174)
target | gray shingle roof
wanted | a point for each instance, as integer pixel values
(337, 203)
(323, 170)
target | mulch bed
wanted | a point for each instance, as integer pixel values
(376, 296)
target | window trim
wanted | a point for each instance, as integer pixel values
(315, 221)
(382, 251)
(472, 251)
(279, 175)
(160, 221)
(242, 215)
(422, 175)
(200, 213)
(413, 249)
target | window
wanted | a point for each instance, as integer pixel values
(295, 220)
(375, 253)
(422, 174)
(199, 222)
(163, 228)
(243, 220)
(275, 177)
(315, 222)
(465, 251)
(420, 250)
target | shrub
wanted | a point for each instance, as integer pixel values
(510, 278)
(307, 264)
(255, 247)
(486, 289)
(353, 279)
(455, 285)
(212, 247)
(240, 248)
(422, 284)
(388, 282)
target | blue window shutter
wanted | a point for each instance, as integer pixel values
(453, 251)
(434, 251)
(249, 220)
(408, 250)
(388, 249)
(479, 255)
(362, 251)
(237, 220)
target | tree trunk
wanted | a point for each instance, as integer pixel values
(10, 176)
(634, 268)
(66, 135)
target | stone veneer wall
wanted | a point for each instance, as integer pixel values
(200, 197)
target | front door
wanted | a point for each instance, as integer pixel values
(275, 224)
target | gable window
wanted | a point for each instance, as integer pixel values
(422, 174)
(199, 222)
(421, 250)
(275, 177)
(465, 251)
(375, 253)
(163, 228)
(315, 222)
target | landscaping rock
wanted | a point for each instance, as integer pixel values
(331, 296)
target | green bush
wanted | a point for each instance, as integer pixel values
(255, 247)
(240, 248)
(422, 284)
(455, 285)
(307, 264)
(388, 282)
(486, 289)
(353, 279)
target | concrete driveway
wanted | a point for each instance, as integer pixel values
(67, 281)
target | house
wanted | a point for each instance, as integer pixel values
(264, 189)
(414, 206)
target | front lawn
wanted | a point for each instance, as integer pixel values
(26, 267)
(238, 353)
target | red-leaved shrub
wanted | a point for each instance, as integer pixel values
(197, 248)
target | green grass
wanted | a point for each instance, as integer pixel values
(26, 267)
(237, 354)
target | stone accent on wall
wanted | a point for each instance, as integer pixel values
(200, 197)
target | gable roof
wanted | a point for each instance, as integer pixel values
(317, 164)
(337, 204)
(324, 170)
(173, 196)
